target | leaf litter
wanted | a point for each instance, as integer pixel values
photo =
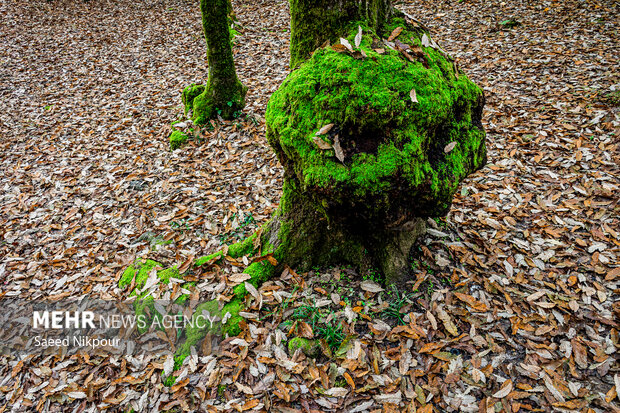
(514, 300)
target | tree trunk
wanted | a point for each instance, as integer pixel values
(223, 94)
(374, 138)
(307, 232)
(313, 22)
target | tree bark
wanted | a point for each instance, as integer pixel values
(224, 94)
(313, 22)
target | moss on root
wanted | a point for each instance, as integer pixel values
(189, 94)
(395, 169)
(139, 271)
(177, 139)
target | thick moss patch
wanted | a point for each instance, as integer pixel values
(390, 144)
(177, 139)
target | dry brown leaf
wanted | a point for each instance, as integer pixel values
(447, 321)
(449, 147)
(346, 44)
(321, 143)
(504, 390)
(325, 129)
(371, 286)
(395, 33)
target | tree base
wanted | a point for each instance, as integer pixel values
(207, 102)
(304, 234)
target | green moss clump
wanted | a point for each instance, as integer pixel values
(189, 94)
(390, 143)
(311, 348)
(139, 270)
(259, 272)
(199, 328)
(216, 256)
(245, 247)
(237, 250)
(315, 21)
(177, 139)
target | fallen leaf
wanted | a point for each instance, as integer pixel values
(449, 147)
(504, 390)
(338, 150)
(321, 143)
(447, 321)
(358, 37)
(371, 286)
(325, 129)
(168, 365)
(395, 33)
(425, 41)
(346, 44)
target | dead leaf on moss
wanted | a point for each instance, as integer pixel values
(395, 33)
(358, 37)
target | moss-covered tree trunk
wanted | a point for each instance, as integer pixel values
(223, 94)
(374, 137)
(313, 22)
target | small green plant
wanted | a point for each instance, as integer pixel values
(397, 300)
(220, 391)
(182, 225)
(340, 383)
(441, 222)
(430, 288)
(323, 323)
(373, 275)
(509, 23)
(239, 232)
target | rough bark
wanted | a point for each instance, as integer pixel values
(307, 232)
(223, 94)
(313, 22)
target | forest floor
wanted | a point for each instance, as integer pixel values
(515, 302)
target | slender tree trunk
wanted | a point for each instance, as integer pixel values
(313, 22)
(224, 94)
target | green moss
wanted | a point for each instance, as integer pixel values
(139, 270)
(315, 21)
(177, 139)
(260, 272)
(368, 100)
(197, 330)
(245, 247)
(232, 326)
(237, 250)
(208, 258)
(311, 348)
(189, 94)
